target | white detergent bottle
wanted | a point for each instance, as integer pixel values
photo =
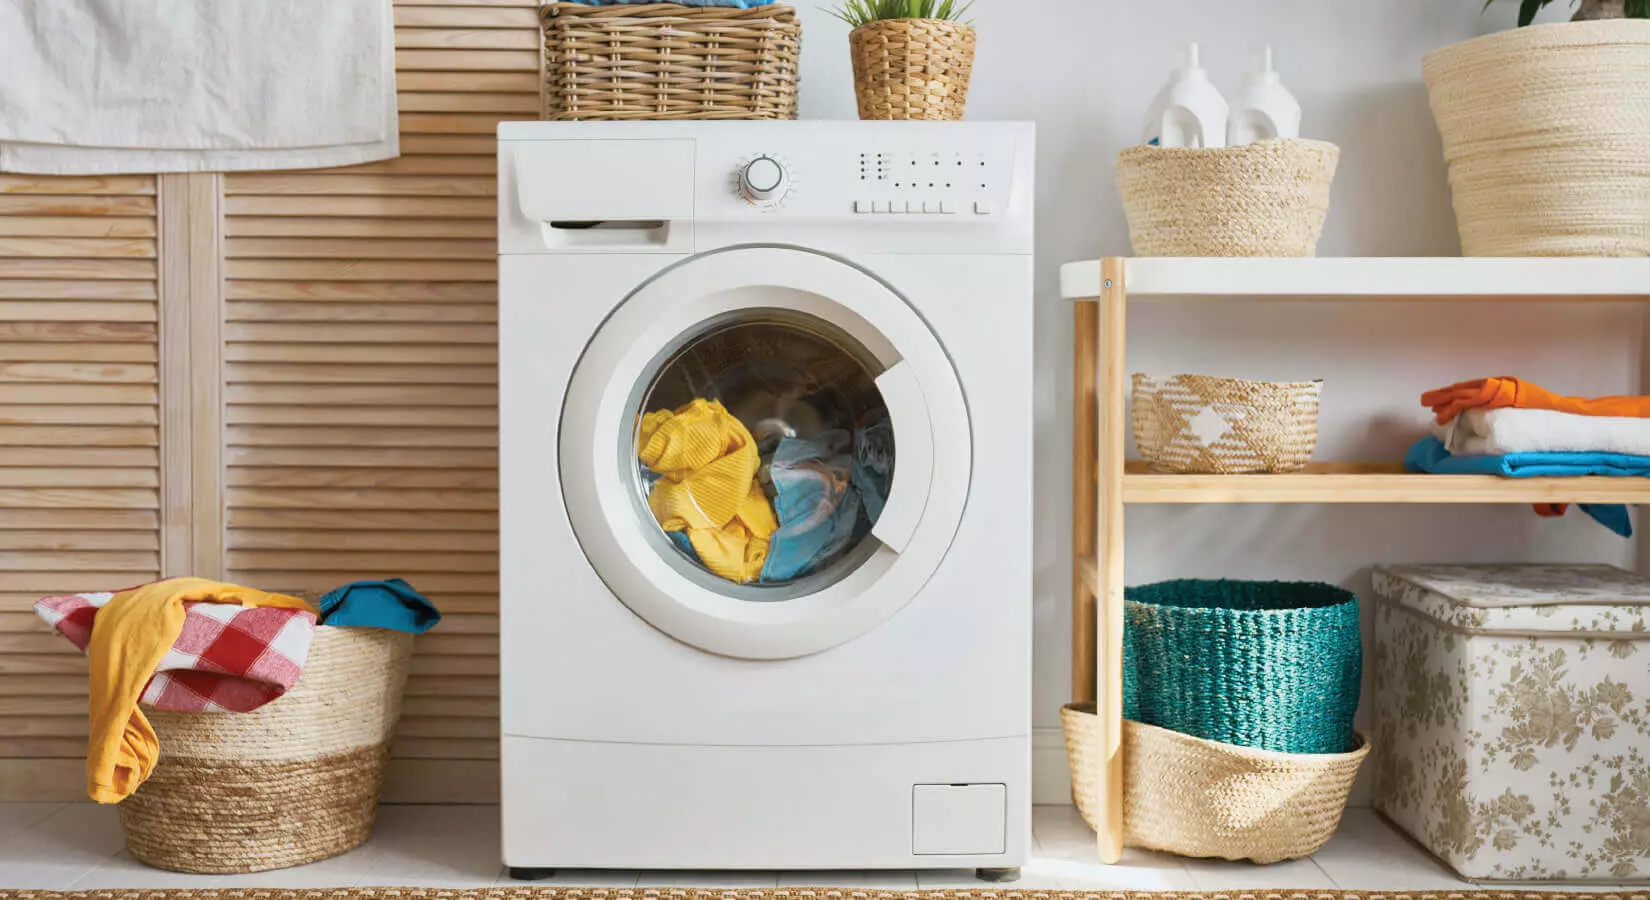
(1188, 112)
(1264, 109)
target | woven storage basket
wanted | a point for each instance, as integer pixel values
(1547, 134)
(912, 68)
(1202, 798)
(292, 782)
(1201, 424)
(1268, 198)
(1273, 665)
(668, 61)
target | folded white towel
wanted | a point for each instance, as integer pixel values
(1497, 432)
(103, 86)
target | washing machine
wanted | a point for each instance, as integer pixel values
(765, 449)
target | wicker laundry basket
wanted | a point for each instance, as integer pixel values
(1269, 198)
(1201, 798)
(912, 68)
(1547, 133)
(669, 61)
(1202, 424)
(293, 782)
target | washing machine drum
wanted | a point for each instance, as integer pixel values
(765, 452)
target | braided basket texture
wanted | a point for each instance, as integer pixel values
(1202, 424)
(1274, 665)
(1547, 134)
(293, 782)
(1269, 198)
(912, 68)
(1194, 797)
(669, 61)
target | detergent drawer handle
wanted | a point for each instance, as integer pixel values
(913, 457)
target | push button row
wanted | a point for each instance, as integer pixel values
(923, 207)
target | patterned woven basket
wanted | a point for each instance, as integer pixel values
(1547, 134)
(1201, 424)
(669, 61)
(293, 782)
(1273, 665)
(1269, 198)
(1201, 798)
(912, 68)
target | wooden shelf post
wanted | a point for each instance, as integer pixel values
(1111, 372)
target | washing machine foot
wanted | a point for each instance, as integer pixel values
(1000, 876)
(519, 873)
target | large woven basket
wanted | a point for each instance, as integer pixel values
(1274, 665)
(912, 68)
(1201, 424)
(1269, 198)
(292, 782)
(1201, 798)
(1547, 133)
(669, 61)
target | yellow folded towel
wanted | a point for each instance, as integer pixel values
(130, 635)
(707, 461)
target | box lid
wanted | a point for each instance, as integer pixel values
(1578, 600)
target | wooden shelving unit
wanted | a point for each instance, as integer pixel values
(1104, 482)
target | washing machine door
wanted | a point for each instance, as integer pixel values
(810, 372)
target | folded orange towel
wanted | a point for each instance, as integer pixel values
(1493, 393)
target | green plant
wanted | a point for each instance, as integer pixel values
(864, 12)
(1589, 9)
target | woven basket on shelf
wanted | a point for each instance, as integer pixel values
(669, 61)
(1201, 798)
(1273, 665)
(1547, 133)
(1269, 198)
(1202, 424)
(292, 782)
(912, 68)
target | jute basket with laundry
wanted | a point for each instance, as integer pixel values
(292, 782)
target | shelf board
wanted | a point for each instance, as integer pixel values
(1369, 278)
(1374, 483)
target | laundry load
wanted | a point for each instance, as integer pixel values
(816, 502)
(706, 461)
(393, 604)
(1511, 427)
(185, 644)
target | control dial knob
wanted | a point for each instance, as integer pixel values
(764, 180)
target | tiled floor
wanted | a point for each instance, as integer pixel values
(78, 847)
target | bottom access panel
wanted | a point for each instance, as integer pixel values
(587, 804)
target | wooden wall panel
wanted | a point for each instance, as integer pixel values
(80, 474)
(360, 373)
(339, 396)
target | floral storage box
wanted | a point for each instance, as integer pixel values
(1512, 717)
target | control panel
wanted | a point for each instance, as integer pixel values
(933, 182)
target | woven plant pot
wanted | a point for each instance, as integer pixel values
(293, 782)
(1201, 798)
(1201, 424)
(669, 61)
(1269, 198)
(1273, 665)
(1547, 133)
(912, 68)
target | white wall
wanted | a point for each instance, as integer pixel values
(1084, 70)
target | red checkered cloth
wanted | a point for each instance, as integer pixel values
(229, 658)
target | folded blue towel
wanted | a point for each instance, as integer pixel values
(392, 604)
(740, 4)
(1429, 455)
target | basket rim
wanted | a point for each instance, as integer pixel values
(1249, 149)
(564, 9)
(1546, 36)
(1346, 598)
(1253, 753)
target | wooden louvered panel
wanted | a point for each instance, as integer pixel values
(80, 473)
(360, 374)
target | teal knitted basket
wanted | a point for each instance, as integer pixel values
(1268, 664)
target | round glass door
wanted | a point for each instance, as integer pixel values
(764, 453)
